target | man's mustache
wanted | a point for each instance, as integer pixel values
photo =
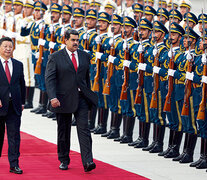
(75, 45)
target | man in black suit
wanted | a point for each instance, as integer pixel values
(68, 88)
(12, 98)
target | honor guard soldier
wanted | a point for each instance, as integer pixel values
(149, 3)
(157, 55)
(201, 163)
(162, 15)
(101, 50)
(96, 5)
(163, 4)
(110, 7)
(85, 5)
(76, 3)
(185, 6)
(173, 102)
(142, 107)
(79, 15)
(87, 43)
(34, 30)
(149, 13)
(25, 43)
(188, 116)
(127, 105)
(115, 44)
(129, 10)
(138, 11)
(170, 6)
(175, 15)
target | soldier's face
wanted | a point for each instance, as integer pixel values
(118, 2)
(28, 11)
(191, 24)
(72, 43)
(17, 9)
(109, 10)
(159, 35)
(129, 3)
(56, 16)
(54, 1)
(163, 5)
(149, 3)
(91, 23)
(141, 2)
(78, 21)
(103, 25)
(137, 15)
(183, 10)
(162, 19)
(76, 4)
(185, 41)
(175, 37)
(66, 2)
(145, 33)
(149, 17)
(37, 14)
(201, 44)
(117, 28)
(6, 49)
(200, 26)
(8, 7)
(66, 16)
(176, 20)
(129, 30)
(46, 2)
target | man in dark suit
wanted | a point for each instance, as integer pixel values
(12, 98)
(68, 88)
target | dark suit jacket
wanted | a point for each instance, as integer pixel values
(62, 81)
(16, 88)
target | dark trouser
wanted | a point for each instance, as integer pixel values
(13, 122)
(84, 135)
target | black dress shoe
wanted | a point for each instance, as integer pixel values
(51, 115)
(16, 170)
(63, 166)
(89, 166)
(28, 106)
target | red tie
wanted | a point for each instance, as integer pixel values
(8, 75)
(74, 62)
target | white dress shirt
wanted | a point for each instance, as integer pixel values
(9, 64)
(70, 55)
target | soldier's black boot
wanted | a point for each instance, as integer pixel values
(103, 122)
(154, 139)
(178, 158)
(115, 126)
(73, 121)
(175, 148)
(170, 142)
(44, 101)
(92, 118)
(124, 129)
(203, 163)
(40, 103)
(194, 164)
(129, 130)
(145, 138)
(141, 131)
(158, 147)
(107, 133)
(29, 98)
(188, 157)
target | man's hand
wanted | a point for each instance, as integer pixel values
(55, 102)
(22, 107)
(0, 104)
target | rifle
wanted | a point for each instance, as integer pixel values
(39, 61)
(73, 20)
(153, 103)
(202, 106)
(188, 84)
(167, 106)
(63, 22)
(138, 97)
(4, 24)
(13, 27)
(107, 85)
(95, 87)
(86, 42)
(125, 84)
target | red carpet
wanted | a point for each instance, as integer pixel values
(39, 161)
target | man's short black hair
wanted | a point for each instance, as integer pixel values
(5, 39)
(69, 32)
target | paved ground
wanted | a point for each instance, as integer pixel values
(120, 155)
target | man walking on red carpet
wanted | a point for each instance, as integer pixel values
(68, 88)
(12, 98)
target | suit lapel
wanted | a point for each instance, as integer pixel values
(2, 71)
(67, 59)
(79, 60)
(14, 70)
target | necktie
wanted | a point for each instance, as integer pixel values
(8, 75)
(74, 62)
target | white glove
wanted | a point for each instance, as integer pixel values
(52, 45)
(171, 72)
(156, 69)
(126, 63)
(62, 31)
(111, 59)
(111, 41)
(85, 36)
(140, 48)
(86, 50)
(189, 76)
(98, 55)
(204, 59)
(63, 46)
(189, 56)
(124, 44)
(155, 51)
(51, 29)
(204, 79)
(41, 25)
(170, 54)
(142, 66)
(24, 23)
(11, 34)
(41, 42)
(98, 39)
(37, 55)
